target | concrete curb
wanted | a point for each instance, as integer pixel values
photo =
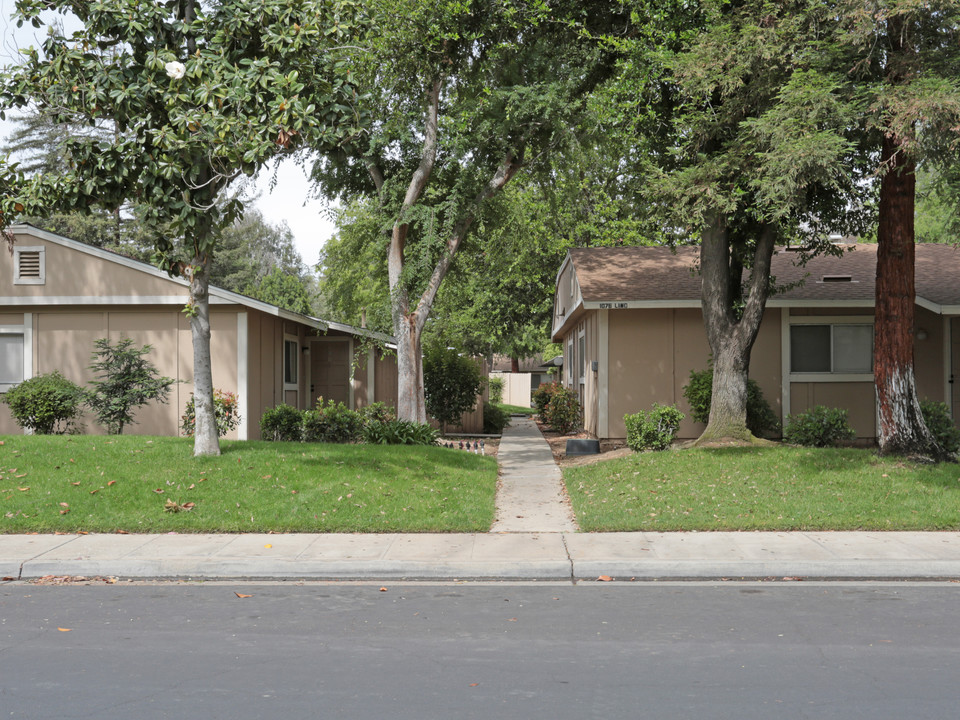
(487, 555)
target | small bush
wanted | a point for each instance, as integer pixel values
(563, 410)
(496, 390)
(46, 404)
(819, 427)
(399, 432)
(936, 416)
(377, 412)
(541, 397)
(332, 423)
(451, 383)
(224, 409)
(281, 423)
(495, 419)
(126, 380)
(761, 419)
(654, 429)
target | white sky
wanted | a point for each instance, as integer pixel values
(288, 201)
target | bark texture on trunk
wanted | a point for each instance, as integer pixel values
(902, 430)
(731, 339)
(206, 440)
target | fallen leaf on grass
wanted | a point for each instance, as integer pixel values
(241, 595)
(173, 506)
(23, 489)
(604, 578)
(76, 483)
(159, 491)
(94, 492)
(66, 508)
(112, 482)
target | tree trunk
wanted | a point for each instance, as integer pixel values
(410, 399)
(206, 440)
(731, 338)
(901, 425)
(514, 365)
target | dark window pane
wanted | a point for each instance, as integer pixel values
(809, 348)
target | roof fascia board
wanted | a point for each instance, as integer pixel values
(224, 295)
(363, 332)
(566, 261)
(631, 304)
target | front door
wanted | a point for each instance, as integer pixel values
(330, 371)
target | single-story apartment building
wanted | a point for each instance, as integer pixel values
(631, 325)
(57, 296)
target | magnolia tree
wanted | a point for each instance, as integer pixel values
(189, 96)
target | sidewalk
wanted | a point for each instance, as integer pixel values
(534, 537)
(490, 555)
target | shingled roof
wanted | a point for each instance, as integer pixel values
(664, 276)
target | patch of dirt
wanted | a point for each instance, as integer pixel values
(73, 580)
(558, 445)
(490, 445)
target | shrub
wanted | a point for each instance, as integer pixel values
(281, 423)
(224, 409)
(331, 423)
(126, 381)
(761, 420)
(496, 390)
(399, 432)
(451, 383)
(563, 410)
(936, 416)
(818, 427)
(541, 397)
(654, 429)
(46, 404)
(495, 419)
(377, 412)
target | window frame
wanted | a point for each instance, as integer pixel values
(831, 375)
(292, 345)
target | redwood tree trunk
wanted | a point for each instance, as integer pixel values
(899, 420)
(206, 440)
(901, 426)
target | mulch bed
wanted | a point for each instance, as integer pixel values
(490, 445)
(558, 445)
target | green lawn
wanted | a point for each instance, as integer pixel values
(108, 484)
(517, 409)
(781, 488)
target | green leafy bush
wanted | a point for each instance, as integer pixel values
(818, 427)
(563, 410)
(282, 423)
(541, 397)
(495, 419)
(654, 429)
(377, 412)
(496, 390)
(332, 423)
(46, 405)
(451, 383)
(126, 380)
(936, 416)
(761, 419)
(399, 432)
(224, 410)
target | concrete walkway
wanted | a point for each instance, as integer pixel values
(530, 496)
(547, 556)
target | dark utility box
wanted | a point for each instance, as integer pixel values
(576, 446)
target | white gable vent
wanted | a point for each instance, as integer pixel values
(29, 267)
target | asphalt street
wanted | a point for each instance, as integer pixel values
(479, 650)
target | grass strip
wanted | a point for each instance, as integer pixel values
(132, 483)
(782, 488)
(517, 409)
